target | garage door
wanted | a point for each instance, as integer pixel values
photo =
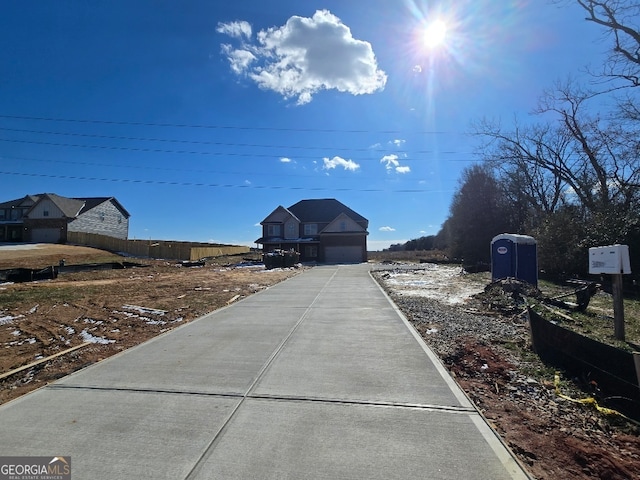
(45, 235)
(343, 255)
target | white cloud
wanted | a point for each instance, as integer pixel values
(238, 59)
(390, 160)
(331, 163)
(239, 29)
(387, 229)
(398, 142)
(391, 163)
(285, 160)
(304, 57)
(417, 69)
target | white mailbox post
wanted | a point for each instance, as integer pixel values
(613, 260)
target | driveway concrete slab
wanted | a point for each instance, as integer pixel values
(356, 354)
(293, 440)
(317, 377)
(220, 353)
(112, 434)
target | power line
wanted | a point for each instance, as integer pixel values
(217, 127)
(223, 144)
(181, 152)
(216, 185)
(144, 167)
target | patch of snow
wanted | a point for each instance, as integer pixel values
(69, 330)
(439, 282)
(20, 246)
(87, 337)
(16, 333)
(155, 322)
(8, 319)
(144, 310)
(31, 340)
(34, 309)
(92, 321)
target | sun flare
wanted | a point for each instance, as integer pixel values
(435, 34)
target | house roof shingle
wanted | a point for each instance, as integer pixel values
(324, 210)
(70, 207)
(29, 199)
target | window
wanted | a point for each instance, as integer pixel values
(291, 230)
(45, 213)
(3, 214)
(311, 229)
(311, 251)
(343, 226)
(273, 230)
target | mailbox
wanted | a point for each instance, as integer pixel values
(612, 259)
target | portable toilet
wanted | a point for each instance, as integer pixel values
(514, 256)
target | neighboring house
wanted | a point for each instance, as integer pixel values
(322, 230)
(47, 217)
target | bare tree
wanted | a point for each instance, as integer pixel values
(620, 19)
(577, 156)
(533, 164)
(605, 166)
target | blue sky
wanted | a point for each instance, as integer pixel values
(201, 117)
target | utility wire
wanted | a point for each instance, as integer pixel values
(217, 185)
(181, 152)
(218, 127)
(223, 144)
(146, 167)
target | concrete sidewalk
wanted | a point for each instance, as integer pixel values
(316, 377)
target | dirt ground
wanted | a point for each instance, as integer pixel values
(104, 312)
(552, 437)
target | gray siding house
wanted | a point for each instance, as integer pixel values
(322, 230)
(47, 217)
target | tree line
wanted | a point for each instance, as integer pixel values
(571, 177)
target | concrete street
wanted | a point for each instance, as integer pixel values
(317, 377)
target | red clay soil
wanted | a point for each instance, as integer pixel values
(554, 438)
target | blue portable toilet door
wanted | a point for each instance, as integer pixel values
(527, 266)
(503, 256)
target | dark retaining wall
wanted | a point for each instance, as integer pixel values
(612, 369)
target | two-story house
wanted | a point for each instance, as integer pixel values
(322, 230)
(47, 217)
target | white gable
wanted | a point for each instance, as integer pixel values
(45, 209)
(343, 223)
(279, 215)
